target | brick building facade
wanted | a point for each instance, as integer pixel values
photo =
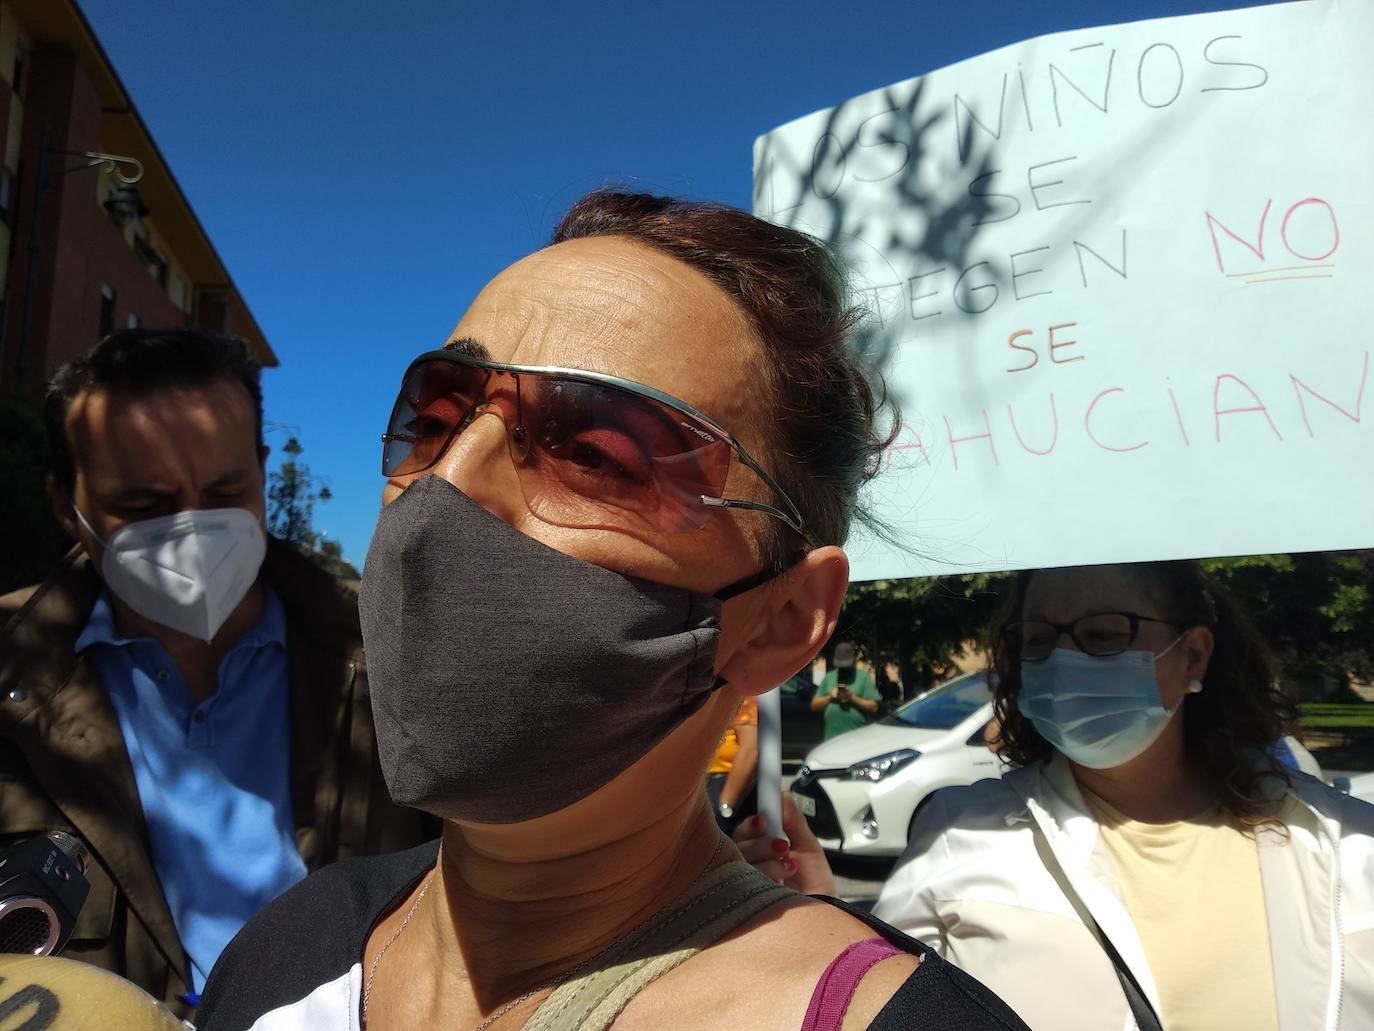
(82, 252)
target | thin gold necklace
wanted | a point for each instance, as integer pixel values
(554, 982)
(376, 962)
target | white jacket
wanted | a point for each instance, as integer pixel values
(997, 873)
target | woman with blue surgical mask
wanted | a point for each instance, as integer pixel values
(1147, 861)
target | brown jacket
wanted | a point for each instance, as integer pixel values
(63, 764)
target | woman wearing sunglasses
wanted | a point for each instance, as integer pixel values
(614, 505)
(1150, 861)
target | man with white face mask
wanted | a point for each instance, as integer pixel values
(184, 693)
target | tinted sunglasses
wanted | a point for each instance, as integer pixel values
(590, 449)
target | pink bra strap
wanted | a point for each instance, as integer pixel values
(835, 990)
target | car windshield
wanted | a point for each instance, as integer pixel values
(946, 706)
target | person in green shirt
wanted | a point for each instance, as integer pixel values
(847, 695)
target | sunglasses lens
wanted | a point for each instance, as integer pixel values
(599, 456)
(587, 455)
(434, 400)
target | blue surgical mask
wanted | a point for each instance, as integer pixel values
(1099, 712)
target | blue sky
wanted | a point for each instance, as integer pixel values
(364, 169)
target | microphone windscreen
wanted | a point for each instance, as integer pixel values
(48, 993)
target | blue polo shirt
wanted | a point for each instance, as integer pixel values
(214, 779)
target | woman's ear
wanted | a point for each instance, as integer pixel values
(792, 621)
(1198, 646)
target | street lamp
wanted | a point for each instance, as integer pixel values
(124, 205)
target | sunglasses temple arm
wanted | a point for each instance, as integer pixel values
(792, 517)
(755, 506)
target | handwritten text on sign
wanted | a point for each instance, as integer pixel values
(1116, 281)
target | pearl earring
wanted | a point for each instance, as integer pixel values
(1195, 686)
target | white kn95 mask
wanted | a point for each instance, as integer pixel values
(188, 570)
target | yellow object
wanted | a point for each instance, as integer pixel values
(1194, 894)
(48, 993)
(746, 715)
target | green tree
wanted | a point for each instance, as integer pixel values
(329, 556)
(291, 496)
(292, 490)
(1313, 612)
(919, 624)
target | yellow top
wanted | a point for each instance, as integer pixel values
(746, 715)
(1194, 894)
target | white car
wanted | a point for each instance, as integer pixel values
(860, 791)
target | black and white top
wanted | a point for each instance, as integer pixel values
(298, 964)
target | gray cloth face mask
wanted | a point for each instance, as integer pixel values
(510, 680)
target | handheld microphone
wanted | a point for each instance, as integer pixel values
(42, 889)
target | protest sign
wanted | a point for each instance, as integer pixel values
(1118, 281)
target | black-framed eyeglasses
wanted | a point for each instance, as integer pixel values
(1100, 634)
(590, 449)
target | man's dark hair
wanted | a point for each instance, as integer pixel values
(826, 441)
(134, 363)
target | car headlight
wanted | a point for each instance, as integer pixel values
(880, 766)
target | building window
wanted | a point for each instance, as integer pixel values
(176, 290)
(107, 303)
(152, 259)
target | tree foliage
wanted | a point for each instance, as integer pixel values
(919, 624)
(292, 491)
(329, 556)
(291, 496)
(1312, 610)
